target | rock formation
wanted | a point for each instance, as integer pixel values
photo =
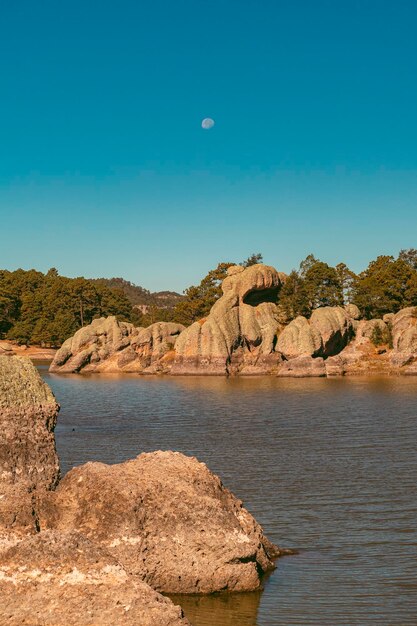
(240, 330)
(166, 518)
(63, 579)
(107, 345)
(244, 334)
(326, 333)
(404, 340)
(28, 459)
(6, 349)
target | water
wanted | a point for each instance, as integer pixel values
(326, 466)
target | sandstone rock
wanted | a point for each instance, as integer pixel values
(367, 328)
(302, 366)
(360, 357)
(28, 459)
(404, 331)
(404, 339)
(166, 518)
(245, 320)
(334, 326)
(388, 317)
(28, 412)
(63, 579)
(299, 339)
(107, 345)
(326, 333)
(6, 349)
(353, 311)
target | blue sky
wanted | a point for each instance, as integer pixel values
(106, 171)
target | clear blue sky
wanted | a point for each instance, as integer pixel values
(106, 171)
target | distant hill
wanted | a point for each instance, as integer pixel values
(139, 297)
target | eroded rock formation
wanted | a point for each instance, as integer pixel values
(167, 519)
(326, 333)
(107, 345)
(28, 459)
(404, 340)
(241, 329)
(245, 334)
(63, 579)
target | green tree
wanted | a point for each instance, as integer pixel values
(410, 257)
(321, 282)
(385, 286)
(253, 259)
(293, 297)
(200, 298)
(347, 280)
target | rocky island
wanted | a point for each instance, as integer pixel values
(244, 334)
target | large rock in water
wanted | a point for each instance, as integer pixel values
(107, 345)
(28, 459)
(63, 579)
(166, 518)
(325, 334)
(244, 321)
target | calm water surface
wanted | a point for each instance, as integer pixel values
(326, 466)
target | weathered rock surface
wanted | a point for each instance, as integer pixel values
(326, 333)
(63, 579)
(167, 519)
(367, 328)
(353, 311)
(244, 320)
(6, 349)
(404, 331)
(404, 340)
(28, 459)
(303, 367)
(107, 345)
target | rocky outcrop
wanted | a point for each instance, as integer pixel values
(107, 345)
(353, 311)
(63, 579)
(404, 340)
(166, 518)
(28, 459)
(6, 349)
(326, 333)
(242, 324)
(303, 367)
(372, 329)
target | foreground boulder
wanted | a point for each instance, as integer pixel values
(28, 459)
(167, 519)
(107, 345)
(63, 579)
(243, 324)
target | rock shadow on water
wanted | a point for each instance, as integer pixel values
(220, 609)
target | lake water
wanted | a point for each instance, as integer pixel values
(327, 466)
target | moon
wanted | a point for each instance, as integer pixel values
(207, 123)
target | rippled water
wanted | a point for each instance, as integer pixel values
(326, 466)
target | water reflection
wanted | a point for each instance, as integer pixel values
(221, 609)
(326, 466)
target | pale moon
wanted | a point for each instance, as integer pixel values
(207, 123)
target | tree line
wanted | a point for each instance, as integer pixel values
(46, 309)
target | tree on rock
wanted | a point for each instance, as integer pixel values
(253, 259)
